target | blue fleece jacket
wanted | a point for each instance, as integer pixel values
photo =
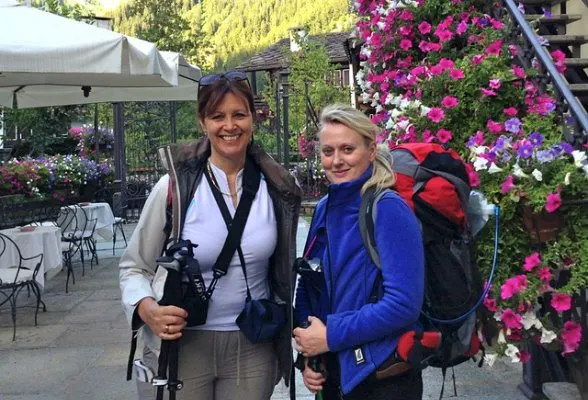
(349, 276)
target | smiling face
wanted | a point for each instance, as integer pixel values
(344, 153)
(229, 128)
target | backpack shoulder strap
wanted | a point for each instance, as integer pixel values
(367, 219)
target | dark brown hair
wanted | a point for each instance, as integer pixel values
(211, 96)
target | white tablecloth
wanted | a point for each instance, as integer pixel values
(103, 215)
(44, 239)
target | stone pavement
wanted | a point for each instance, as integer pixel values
(79, 348)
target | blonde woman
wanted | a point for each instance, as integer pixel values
(351, 333)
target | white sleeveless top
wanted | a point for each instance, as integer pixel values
(204, 226)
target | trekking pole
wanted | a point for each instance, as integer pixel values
(315, 364)
(167, 372)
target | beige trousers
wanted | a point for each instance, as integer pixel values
(218, 365)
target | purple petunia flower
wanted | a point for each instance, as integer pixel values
(501, 142)
(544, 156)
(506, 157)
(525, 150)
(513, 125)
(546, 12)
(536, 139)
(521, 8)
(566, 147)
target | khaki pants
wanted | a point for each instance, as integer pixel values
(218, 365)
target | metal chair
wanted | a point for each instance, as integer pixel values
(14, 278)
(119, 211)
(71, 241)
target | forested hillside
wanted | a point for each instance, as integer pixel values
(221, 33)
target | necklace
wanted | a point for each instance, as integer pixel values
(215, 183)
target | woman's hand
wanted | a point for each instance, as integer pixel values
(312, 380)
(312, 341)
(166, 322)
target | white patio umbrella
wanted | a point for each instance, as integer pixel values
(48, 60)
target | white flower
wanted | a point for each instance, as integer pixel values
(518, 171)
(396, 100)
(537, 175)
(490, 359)
(479, 149)
(513, 352)
(529, 320)
(494, 169)
(389, 124)
(365, 97)
(480, 164)
(585, 168)
(376, 96)
(395, 113)
(579, 158)
(379, 108)
(547, 336)
(389, 99)
(381, 25)
(404, 103)
(567, 179)
(501, 339)
(425, 110)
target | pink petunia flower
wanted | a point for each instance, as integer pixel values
(478, 58)
(449, 102)
(428, 136)
(446, 64)
(513, 286)
(456, 74)
(494, 127)
(474, 179)
(436, 70)
(436, 114)
(532, 261)
(494, 48)
(444, 35)
(510, 111)
(507, 185)
(558, 55)
(512, 49)
(495, 84)
(490, 304)
(511, 319)
(462, 27)
(561, 302)
(487, 92)
(424, 27)
(571, 337)
(544, 274)
(405, 44)
(444, 135)
(553, 202)
(518, 72)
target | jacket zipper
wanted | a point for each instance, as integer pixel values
(331, 284)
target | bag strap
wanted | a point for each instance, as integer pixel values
(367, 218)
(236, 225)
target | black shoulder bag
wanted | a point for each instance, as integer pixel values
(261, 319)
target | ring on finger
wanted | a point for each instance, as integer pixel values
(167, 329)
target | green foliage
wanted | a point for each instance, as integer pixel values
(308, 67)
(220, 34)
(48, 126)
(65, 9)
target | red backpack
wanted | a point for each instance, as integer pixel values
(435, 184)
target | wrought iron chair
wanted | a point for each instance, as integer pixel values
(14, 278)
(87, 237)
(120, 218)
(71, 241)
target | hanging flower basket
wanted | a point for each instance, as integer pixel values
(542, 226)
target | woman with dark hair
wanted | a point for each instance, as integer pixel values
(216, 360)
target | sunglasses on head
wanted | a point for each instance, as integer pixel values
(208, 80)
